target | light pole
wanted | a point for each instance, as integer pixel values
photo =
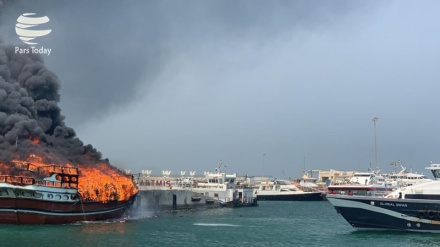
(375, 142)
(263, 165)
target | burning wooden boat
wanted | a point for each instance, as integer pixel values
(59, 195)
(33, 136)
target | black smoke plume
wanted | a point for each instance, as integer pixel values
(30, 118)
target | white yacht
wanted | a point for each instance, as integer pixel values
(224, 188)
(363, 183)
(284, 190)
(411, 208)
(404, 178)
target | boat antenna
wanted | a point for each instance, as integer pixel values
(219, 166)
(304, 170)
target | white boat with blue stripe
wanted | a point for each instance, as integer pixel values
(412, 208)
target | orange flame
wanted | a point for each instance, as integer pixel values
(103, 183)
(34, 139)
(98, 182)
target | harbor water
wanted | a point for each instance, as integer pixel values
(270, 224)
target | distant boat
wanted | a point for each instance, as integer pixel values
(224, 188)
(363, 183)
(307, 183)
(404, 178)
(283, 190)
(435, 169)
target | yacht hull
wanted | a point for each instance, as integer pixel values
(373, 213)
(313, 196)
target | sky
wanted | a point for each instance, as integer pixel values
(266, 87)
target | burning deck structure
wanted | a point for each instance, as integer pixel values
(49, 194)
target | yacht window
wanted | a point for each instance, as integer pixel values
(361, 175)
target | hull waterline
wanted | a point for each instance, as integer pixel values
(378, 213)
(29, 211)
(292, 197)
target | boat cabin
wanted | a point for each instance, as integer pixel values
(435, 169)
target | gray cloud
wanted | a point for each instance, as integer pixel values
(113, 47)
(183, 84)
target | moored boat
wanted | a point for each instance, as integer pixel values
(363, 183)
(307, 183)
(411, 208)
(405, 178)
(283, 190)
(224, 188)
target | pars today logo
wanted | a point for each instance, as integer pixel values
(27, 30)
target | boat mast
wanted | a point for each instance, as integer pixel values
(304, 163)
(375, 142)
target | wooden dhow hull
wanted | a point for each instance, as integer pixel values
(30, 206)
